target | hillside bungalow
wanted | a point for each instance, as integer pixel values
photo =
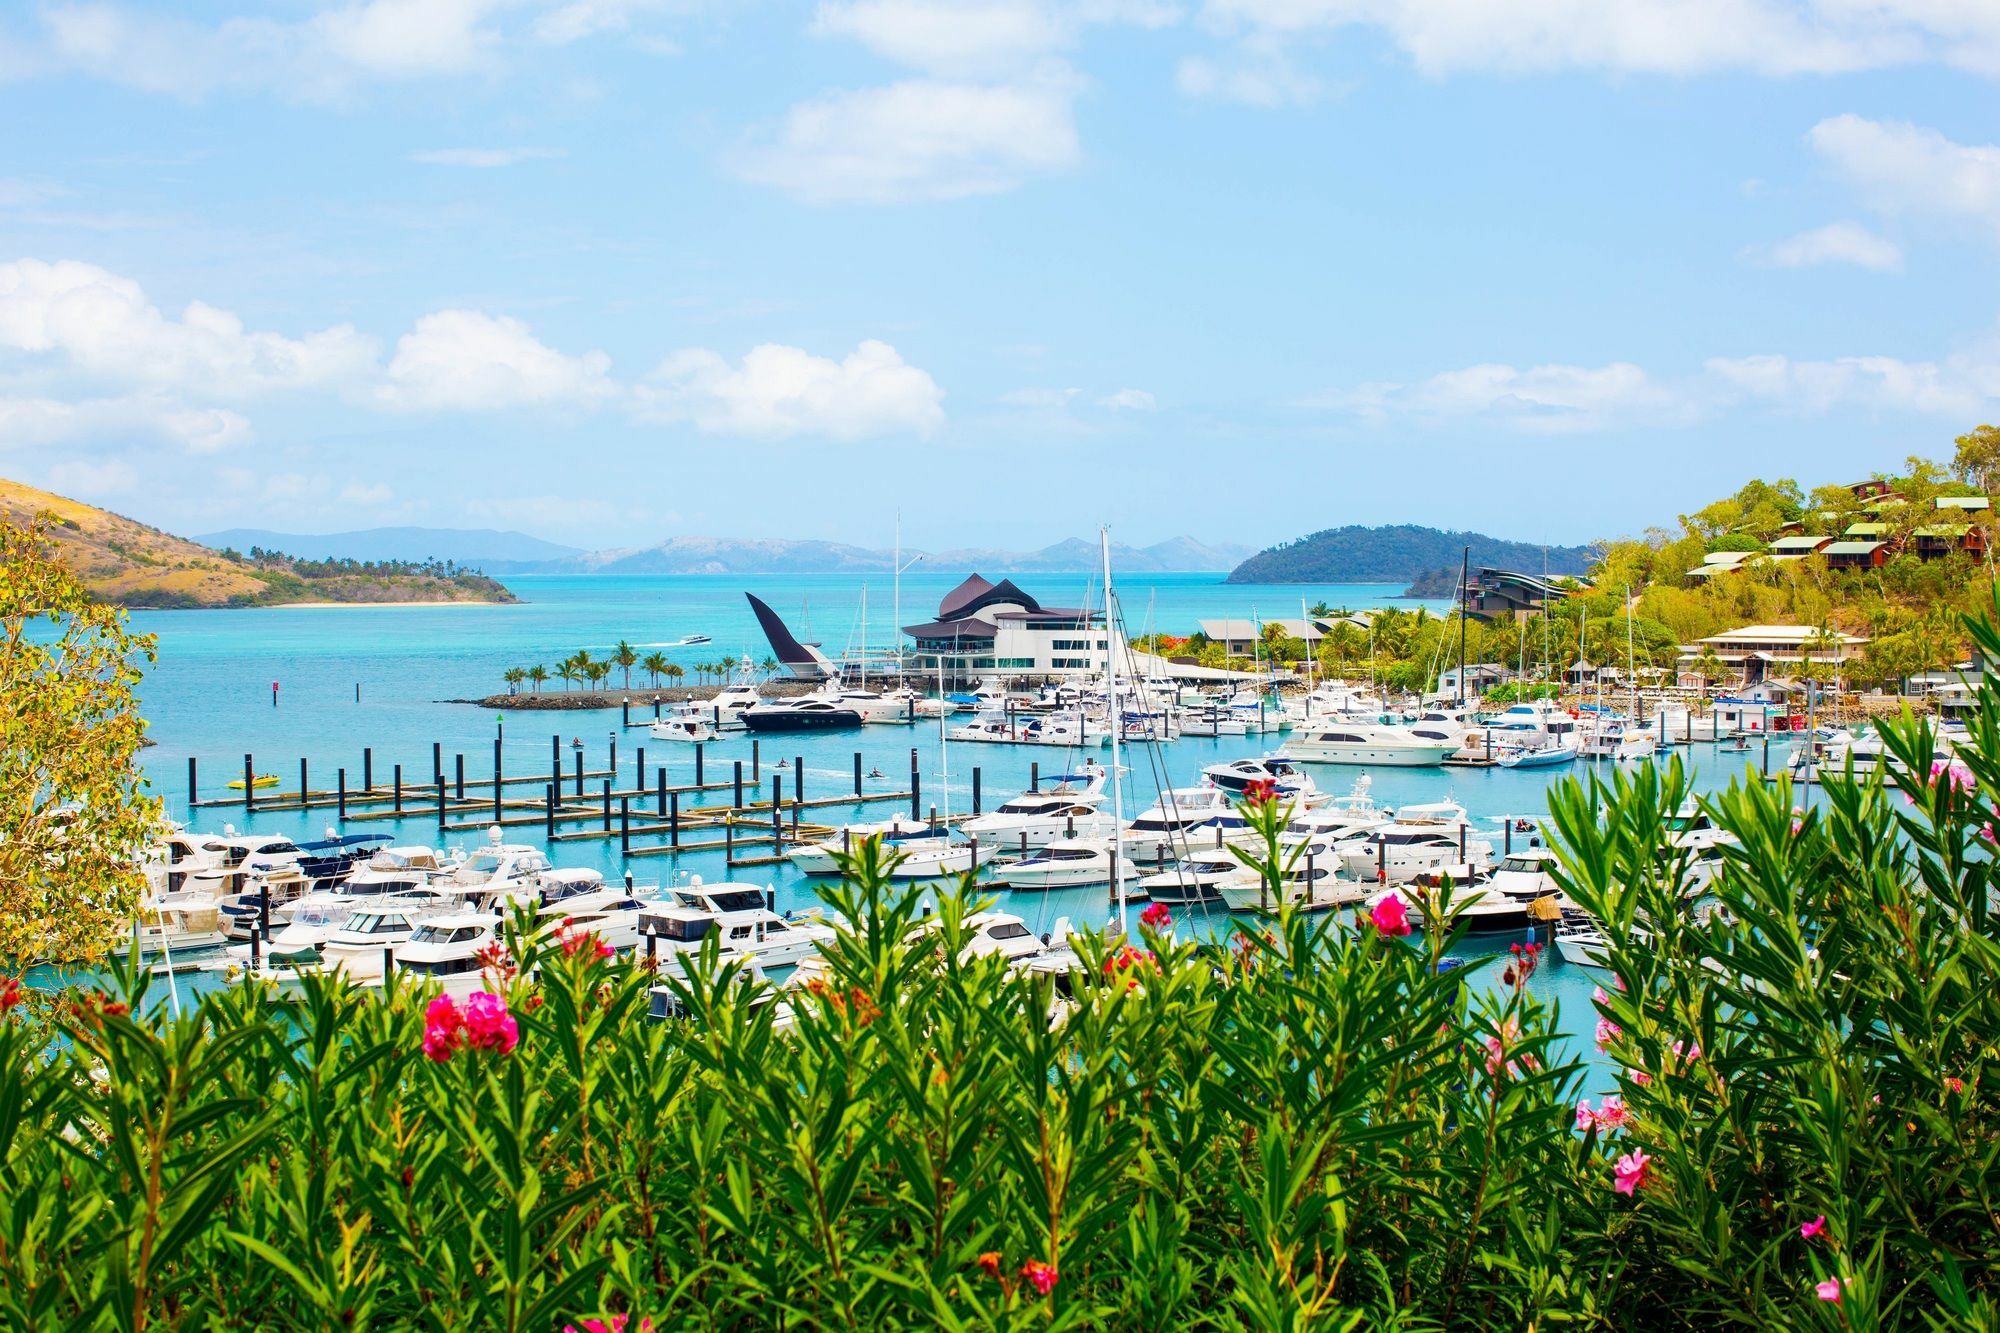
(1500, 594)
(1963, 504)
(1718, 562)
(1856, 555)
(1479, 678)
(1239, 638)
(1754, 650)
(1798, 545)
(1875, 488)
(1938, 540)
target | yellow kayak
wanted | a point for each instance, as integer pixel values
(261, 780)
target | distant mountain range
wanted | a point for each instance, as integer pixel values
(485, 547)
(503, 553)
(1402, 553)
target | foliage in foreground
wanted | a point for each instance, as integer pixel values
(72, 807)
(1311, 1128)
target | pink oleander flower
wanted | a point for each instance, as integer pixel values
(615, 1324)
(1955, 774)
(1798, 825)
(444, 1029)
(1390, 916)
(1159, 916)
(1986, 832)
(1813, 1229)
(1631, 1172)
(1689, 1051)
(1639, 1076)
(1612, 1115)
(488, 1025)
(1040, 1276)
(1828, 1290)
(1955, 1084)
(1607, 1032)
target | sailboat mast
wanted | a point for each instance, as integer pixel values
(1117, 724)
(896, 607)
(1464, 597)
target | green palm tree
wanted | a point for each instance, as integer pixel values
(567, 672)
(625, 655)
(770, 665)
(654, 664)
(599, 672)
(674, 671)
(537, 675)
(513, 676)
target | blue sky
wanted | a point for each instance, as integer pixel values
(610, 271)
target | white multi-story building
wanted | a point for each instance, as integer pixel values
(995, 629)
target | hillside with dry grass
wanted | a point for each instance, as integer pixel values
(128, 563)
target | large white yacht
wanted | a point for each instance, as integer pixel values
(1182, 819)
(1383, 743)
(1421, 840)
(1067, 863)
(1070, 808)
(741, 917)
(820, 858)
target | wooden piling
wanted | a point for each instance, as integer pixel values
(499, 785)
(249, 783)
(857, 773)
(625, 826)
(194, 793)
(367, 768)
(341, 795)
(916, 786)
(440, 804)
(399, 789)
(975, 789)
(458, 768)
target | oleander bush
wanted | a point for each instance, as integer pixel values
(1320, 1124)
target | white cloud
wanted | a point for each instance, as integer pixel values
(400, 39)
(482, 157)
(585, 18)
(103, 325)
(1540, 399)
(1838, 243)
(1262, 76)
(1964, 383)
(32, 422)
(354, 493)
(315, 58)
(1129, 400)
(1045, 399)
(952, 36)
(1680, 37)
(779, 391)
(919, 140)
(1903, 168)
(472, 361)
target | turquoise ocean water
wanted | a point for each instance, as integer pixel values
(210, 698)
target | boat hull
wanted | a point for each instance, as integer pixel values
(839, 719)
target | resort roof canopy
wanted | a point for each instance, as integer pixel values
(1963, 502)
(1853, 548)
(1804, 545)
(969, 628)
(1146, 664)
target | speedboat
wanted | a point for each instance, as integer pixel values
(1341, 742)
(686, 723)
(1067, 863)
(1068, 730)
(812, 713)
(742, 918)
(1581, 941)
(693, 641)
(938, 857)
(1551, 754)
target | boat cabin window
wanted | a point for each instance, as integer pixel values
(684, 930)
(737, 900)
(443, 967)
(1006, 930)
(1067, 854)
(1340, 738)
(1525, 865)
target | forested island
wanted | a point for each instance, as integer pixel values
(1402, 553)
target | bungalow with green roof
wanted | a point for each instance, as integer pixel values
(1857, 555)
(1799, 545)
(1938, 540)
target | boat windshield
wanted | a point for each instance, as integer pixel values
(1523, 865)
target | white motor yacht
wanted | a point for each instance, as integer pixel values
(1294, 784)
(1341, 742)
(1581, 941)
(819, 858)
(1524, 875)
(741, 917)
(374, 925)
(1312, 884)
(1478, 907)
(1181, 820)
(1196, 878)
(1070, 808)
(1342, 816)
(813, 712)
(1067, 863)
(447, 950)
(1420, 840)
(933, 858)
